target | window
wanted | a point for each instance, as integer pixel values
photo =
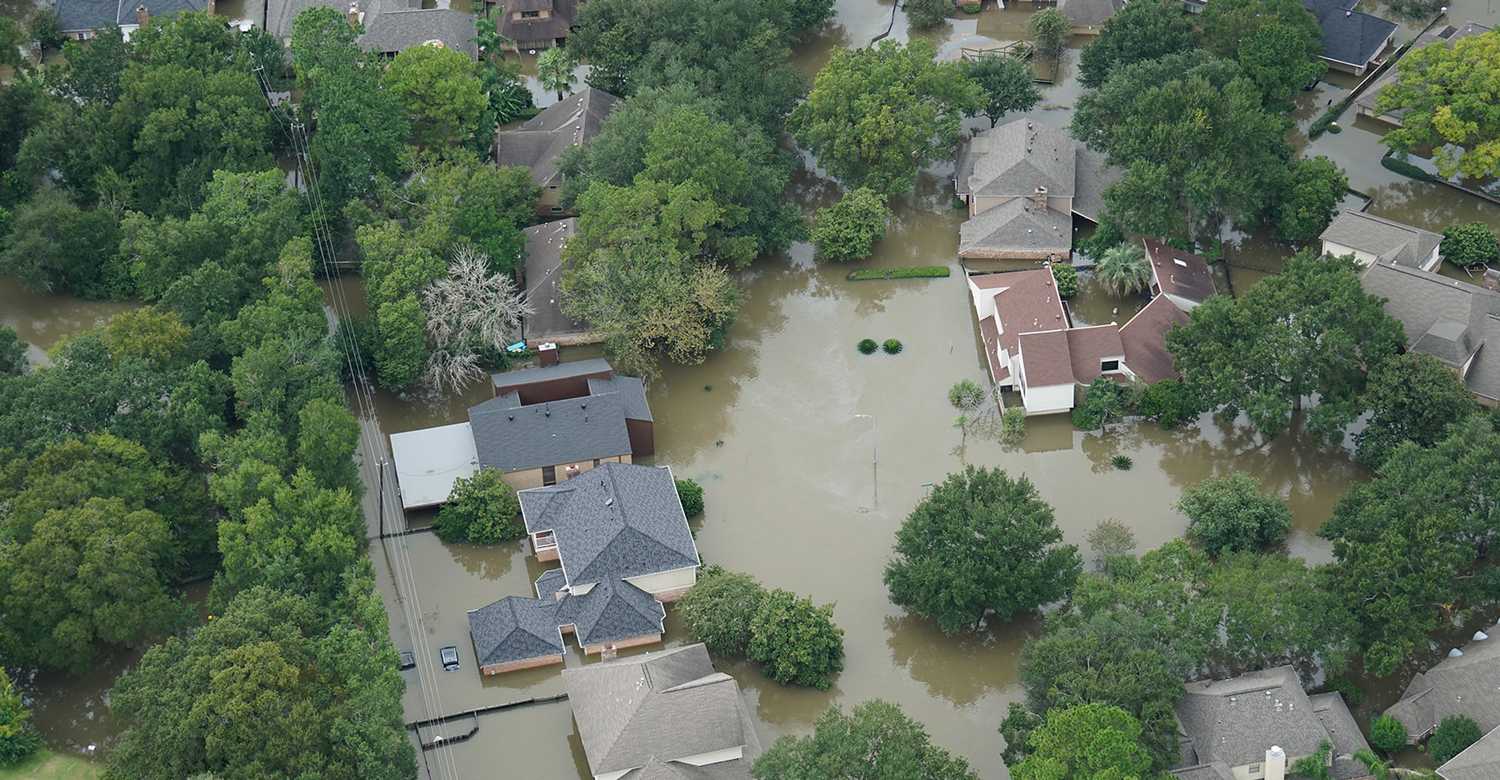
(557, 209)
(1109, 365)
(549, 475)
(531, 14)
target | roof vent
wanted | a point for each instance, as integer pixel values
(1455, 653)
(510, 417)
(609, 501)
(1480, 636)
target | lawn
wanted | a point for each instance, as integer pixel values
(46, 765)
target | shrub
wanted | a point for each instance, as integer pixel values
(891, 347)
(868, 346)
(848, 230)
(1455, 733)
(927, 14)
(1352, 693)
(1168, 402)
(1013, 424)
(1122, 462)
(1470, 245)
(796, 640)
(906, 272)
(1049, 30)
(1104, 237)
(1103, 401)
(1387, 734)
(18, 739)
(1067, 280)
(966, 394)
(1230, 514)
(1111, 539)
(482, 509)
(691, 495)
(719, 609)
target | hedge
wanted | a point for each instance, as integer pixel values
(907, 272)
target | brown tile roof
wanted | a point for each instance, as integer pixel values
(1180, 273)
(1045, 359)
(1145, 339)
(1087, 347)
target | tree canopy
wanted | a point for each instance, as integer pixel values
(1470, 244)
(1411, 397)
(1007, 82)
(718, 610)
(482, 509)
(1277, 43)
(876, 740)
(1229, 514)
(439, 89)
(1140, 31)
(848, 229)
(796, 641)
(1087, 741)
(1447, 107)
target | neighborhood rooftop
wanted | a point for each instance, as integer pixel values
(1350, 36)
(1376, 239)
(540, 141)
(1479, 761)
(543, 284)
(1464, 684)
(1456, 322)
(511, 437)
(87, 15)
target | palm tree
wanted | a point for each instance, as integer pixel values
(1315, 766)
(554, 68)
(1123, 269)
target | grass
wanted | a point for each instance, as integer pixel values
(46, 765)
(907, 272)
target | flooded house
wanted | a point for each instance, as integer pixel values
(1088, 16)
(1353, 41)
(1456, 322)
(662, 715)
(1371, 239)
(83, 19)
(1467, 683)
(544, 424)
(541, 278)
(1259, 724)
(388, 26)
(539, 142)
(622, 540)
(527, 25)
(1032, 347)
(1367, 104)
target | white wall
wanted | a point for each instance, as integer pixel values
(1339, 250)
(984, 301)
(664, 581)
(714, 757)
(1048, 399)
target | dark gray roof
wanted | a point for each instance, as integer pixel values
(630, 389)
(1343, 734)
(1388, 240)
(657, 708)
(515, 629)
(1480, 761)
(279, 14)
(610, 612)
(551, 581)
(1215, 771)
(396, 30)
(540, 141)
(1454, 321)
(512, 437)
(527, 376)
(79, 15)
(1235, 721)
(1466, 685)
(544, 245)
(1349, 36)
(613, 522)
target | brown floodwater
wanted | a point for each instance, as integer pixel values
(44, 320)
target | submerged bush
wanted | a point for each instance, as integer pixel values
(1067, 280)
(891, 347)
(868, 346)
(691, 495)
(848, 230)
(482, 509)
(1122, 462)
(966, 394)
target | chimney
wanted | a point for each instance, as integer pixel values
(1039, 198)
(547, 353)
(1275, 763)
(213, 7)
(355, 17)
(571, 471)
(142, 16)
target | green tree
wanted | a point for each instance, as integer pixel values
(402, 350)
(1277, 43)
(13, 359)
(443, 99)
(1049, 30)
(1016, 731)
(719, 609)
(926, 14)
(155, 336)
(326, 437)
(980, 543)
(1104, 401)
(876, 741)
(115, 594)
(91, 70)
(1309, 198)
(1277, 611)
(795, 641)
(18, 738)
(848, 230)
(1169, 402)
(1315, 766)
(1387, 734)
(1008, 84)
(302, 538)
(875, 116)
(1067, 281)
(56, 246)
(1470, 245)
(1085, 741)
(1309, 330)
(1124, 269)
(1411, 397)
(1452, 736)
(466, 201)
(1446, 108)
(554, 69)
(690, 493)
(1110, 539)
(1140, 31)
(1229, 514)
(482, 509)
(966, 395)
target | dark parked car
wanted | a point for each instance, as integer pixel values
(449, 657)
(408, 660)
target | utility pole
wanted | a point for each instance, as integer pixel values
(380, 500)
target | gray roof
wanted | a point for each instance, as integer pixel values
(1349, 36)
(1456, 322)
(540, 141)
(654, 709)
(1215, 771)
(1466, 685)
(568, 370)
(512, 437)
(1369, 99)
(1017, 226)
(78, 15)
(613, 522)
(279, 14)
(1480, 761)
(1089, 13)
(610, 612)
(1388, 240)
(1014, 159)
(551, 581)
(1091, 177)
(515, 629)
(1235, 721)
(544, 245)
(1343, 734)
(396, 30)
(630, 389)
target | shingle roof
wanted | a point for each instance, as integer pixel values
(1089, 347)
(1444, 317)
(1028, 302)
(1480, 761)
(1388, 240)
(630, 389)
(1091, 177)
(557, 25)
(1215, 771)
(1369, 99)
(1466, 685)
(1013, 159)
(1145, 339)
(1349, 36)
(613, 522)
(526, 376)
(1089, 13)
(1180, 273)
(515, 629)
(1044, 358)
(1235, 721)
(540, 141)
(1016, 226)
(512, 437)
(279, 14)
(657, 708)
(610, 612)
(1343, 734)
(396, 30)
(544, 245)
(79, 15)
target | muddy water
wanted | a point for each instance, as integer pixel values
(44, 320)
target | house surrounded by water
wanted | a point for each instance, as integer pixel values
(539, 142)
(1456, 322)
(1371, 239)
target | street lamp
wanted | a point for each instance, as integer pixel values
(874, 457)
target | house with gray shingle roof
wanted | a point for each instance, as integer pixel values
(390, 26)
(664, 715)
(1467, 682)
(516, 633)
(542, 279)
(1455, 322)
(1352, 39)
(1479, 761)
(83, 19)
(1258, 724)
(1023, 183)
(1088, 16)
(538, 144)
(1371, 239)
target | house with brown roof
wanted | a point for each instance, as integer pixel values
(1023, 182)
(537, 24)
(538, 144)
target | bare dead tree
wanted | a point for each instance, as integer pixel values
(469, 311)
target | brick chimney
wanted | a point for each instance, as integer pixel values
(142, 16)
(1039, 198)
(547, 353)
